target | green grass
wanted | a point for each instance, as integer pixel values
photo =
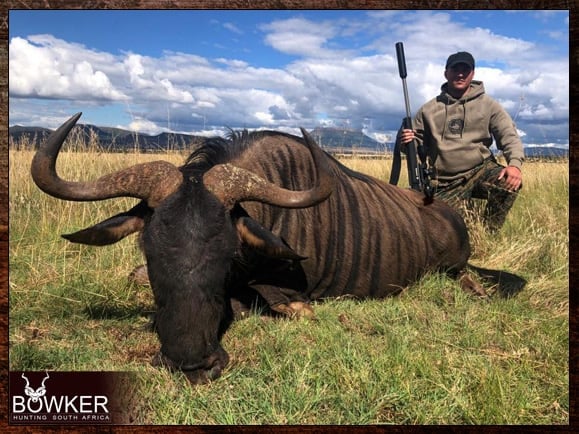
(433, 355)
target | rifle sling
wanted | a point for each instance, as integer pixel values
(396, 164)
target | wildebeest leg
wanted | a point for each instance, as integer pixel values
(295, 309)
(286, 301)
(140, 276)
(470, 285)
(244, 300)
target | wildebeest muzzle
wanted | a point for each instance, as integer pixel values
(197, 373)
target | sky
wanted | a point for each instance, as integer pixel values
(203, 72)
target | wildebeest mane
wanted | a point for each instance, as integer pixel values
(220, 150)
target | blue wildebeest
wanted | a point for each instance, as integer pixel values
(260, 216)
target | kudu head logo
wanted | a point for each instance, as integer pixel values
(35, 395)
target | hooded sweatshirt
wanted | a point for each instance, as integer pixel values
(457, 134)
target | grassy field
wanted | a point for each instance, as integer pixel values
(433, 355)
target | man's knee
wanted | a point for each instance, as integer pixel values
(499, 203)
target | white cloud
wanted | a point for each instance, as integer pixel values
(46, 67)
(264, 118)
(234, 63)
(342, 71)
(144, 126)
(233, 28)
(134, 66)
(300, 37)
(174, 94)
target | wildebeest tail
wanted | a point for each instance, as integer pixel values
(507, 284)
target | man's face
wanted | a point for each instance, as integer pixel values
(459, 77)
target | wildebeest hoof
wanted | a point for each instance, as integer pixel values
(295, 309)
(140, 276)
(468, 284)
(240, 309)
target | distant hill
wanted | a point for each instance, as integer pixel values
(348, 139)
(110, 139)
(546, 152)
(334, 140)
(31, 135)
(115, 139)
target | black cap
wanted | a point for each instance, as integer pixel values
(460, 57)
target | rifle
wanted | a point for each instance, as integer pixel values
(418, 173)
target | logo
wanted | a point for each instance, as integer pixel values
(65, 397)
(455, 126)
(35, 395)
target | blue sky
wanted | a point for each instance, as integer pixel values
(204, 71)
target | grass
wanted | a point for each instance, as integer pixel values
(433, 355)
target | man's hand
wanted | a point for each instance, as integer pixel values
(405, 136)
(512, 176)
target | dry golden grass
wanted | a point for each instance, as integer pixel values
(431, 356)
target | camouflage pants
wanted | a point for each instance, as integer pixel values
(480, 183)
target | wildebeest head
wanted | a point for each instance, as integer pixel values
(191, 228)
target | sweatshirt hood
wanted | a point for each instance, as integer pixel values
(476, 89)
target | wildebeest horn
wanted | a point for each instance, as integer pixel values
(232, 184)
(149, 181)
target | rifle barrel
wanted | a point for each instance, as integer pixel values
(401, 59)
(402, 70)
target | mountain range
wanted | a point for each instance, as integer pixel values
(333, 140)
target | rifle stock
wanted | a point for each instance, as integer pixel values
(415, 175)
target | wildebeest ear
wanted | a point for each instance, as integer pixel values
(112, 229)
(264, 241)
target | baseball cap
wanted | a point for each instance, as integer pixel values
(460, 57)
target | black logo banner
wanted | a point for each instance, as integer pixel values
(70, 398)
